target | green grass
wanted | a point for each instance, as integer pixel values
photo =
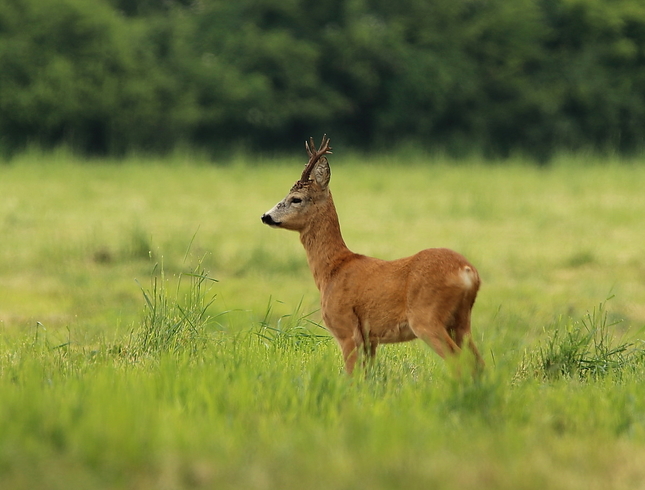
(124, 366)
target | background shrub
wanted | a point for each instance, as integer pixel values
(493, 76)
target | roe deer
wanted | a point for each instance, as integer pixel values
(367, 301)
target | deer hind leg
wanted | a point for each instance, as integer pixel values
(460, 331)
(430, 326)
(444, 323)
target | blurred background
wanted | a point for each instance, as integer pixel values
(108, 77)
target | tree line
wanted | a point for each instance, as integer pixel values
(497, 76)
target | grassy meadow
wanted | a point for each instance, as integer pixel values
(154, 334)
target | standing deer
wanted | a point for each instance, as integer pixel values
(367, 301)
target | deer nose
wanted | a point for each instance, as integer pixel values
(268, 220)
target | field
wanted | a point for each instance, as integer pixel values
(124, 365)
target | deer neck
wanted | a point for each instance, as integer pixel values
(324, 244)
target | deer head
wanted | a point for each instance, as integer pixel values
(295, 211)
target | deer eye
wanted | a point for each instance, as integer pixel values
(296, 200)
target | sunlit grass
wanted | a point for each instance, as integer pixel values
(122, 365)
(265, 407)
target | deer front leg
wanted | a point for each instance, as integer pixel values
(352, 350)
(353, 341)
(350, 353)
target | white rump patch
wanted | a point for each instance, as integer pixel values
(467, 277)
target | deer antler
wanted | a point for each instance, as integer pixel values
(314, 155)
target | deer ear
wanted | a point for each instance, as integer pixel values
(322, 173)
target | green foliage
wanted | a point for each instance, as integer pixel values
(169, 325)
(463, 76)
(293, 330)
(585, 349)
(243, 413)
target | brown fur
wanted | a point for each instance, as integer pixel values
(367, 301)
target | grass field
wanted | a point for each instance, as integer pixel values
(117, 371)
